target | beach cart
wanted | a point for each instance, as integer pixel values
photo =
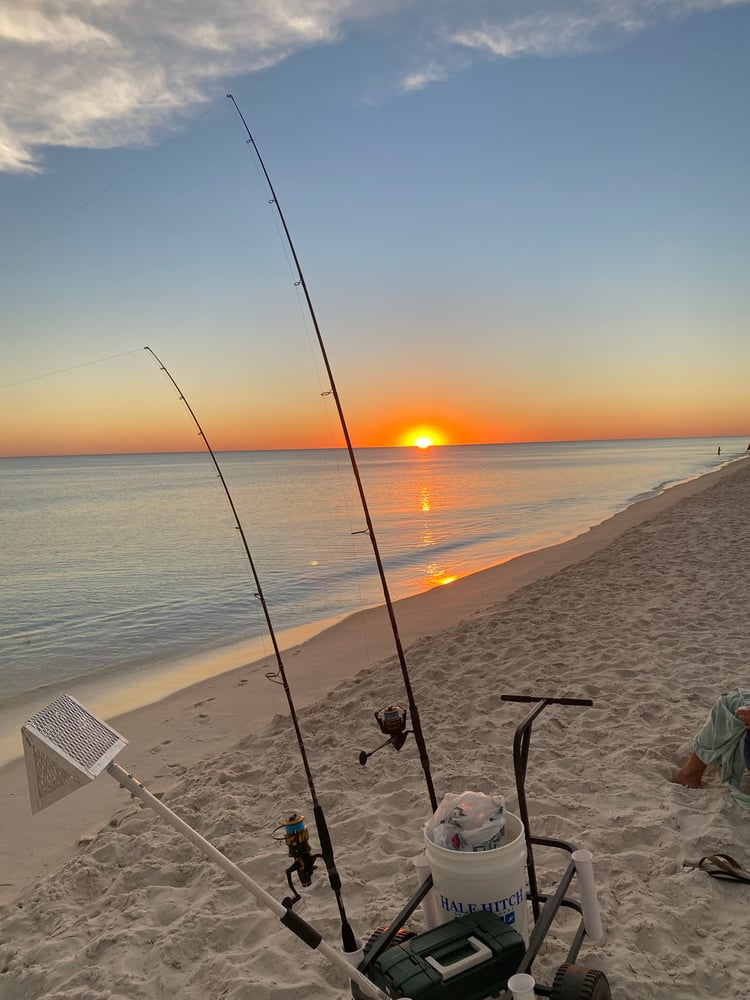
(478, 955)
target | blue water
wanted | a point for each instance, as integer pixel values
(115, 563)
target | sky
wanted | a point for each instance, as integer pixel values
(517, 221)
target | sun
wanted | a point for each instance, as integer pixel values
(423, 441)
(422, 436)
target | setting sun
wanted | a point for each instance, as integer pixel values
(421, 436)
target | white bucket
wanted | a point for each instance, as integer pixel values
(466, 881)
(430, 909)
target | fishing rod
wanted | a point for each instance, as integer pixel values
(296, 835)
(417, 726)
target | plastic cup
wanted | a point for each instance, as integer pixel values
(522, 986)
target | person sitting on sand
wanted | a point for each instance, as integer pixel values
(724, 740)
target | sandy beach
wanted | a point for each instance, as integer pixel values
(646, 614)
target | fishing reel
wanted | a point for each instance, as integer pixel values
(392, 722)
(296, 836)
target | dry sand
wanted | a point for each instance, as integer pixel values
(647, 614)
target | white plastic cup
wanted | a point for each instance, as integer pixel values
(430, 907)
(592, 920)
(522, 986)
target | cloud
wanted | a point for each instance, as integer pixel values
(548, 33)
(424, 77)
(573, 28)
(545, 30)
(104, 73)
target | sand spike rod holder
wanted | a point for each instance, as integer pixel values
(65, 747)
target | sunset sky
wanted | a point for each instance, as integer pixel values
(523, 220)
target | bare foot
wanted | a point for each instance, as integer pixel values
(683, 777)
(691, 773)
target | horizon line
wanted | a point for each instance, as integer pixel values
(399, 447)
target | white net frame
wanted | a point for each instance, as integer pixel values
(65, 747)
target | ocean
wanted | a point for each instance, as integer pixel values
(121, 568)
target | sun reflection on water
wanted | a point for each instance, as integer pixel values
(434, 574)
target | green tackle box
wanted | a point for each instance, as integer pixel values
(467, 959)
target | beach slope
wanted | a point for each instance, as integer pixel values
(647, 615)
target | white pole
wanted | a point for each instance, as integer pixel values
(432, 917)
(589, 903)
(296, 924)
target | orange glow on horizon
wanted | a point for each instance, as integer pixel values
(80, 415)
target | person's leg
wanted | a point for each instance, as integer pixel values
(720, 740)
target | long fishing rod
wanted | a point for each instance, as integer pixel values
(296, 835)
(417, 726)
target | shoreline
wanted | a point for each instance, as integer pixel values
(210, 716)
(109, 695)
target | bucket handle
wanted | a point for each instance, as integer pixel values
(481, 954)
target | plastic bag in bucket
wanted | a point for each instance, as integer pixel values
(466, 880)
(471, 821)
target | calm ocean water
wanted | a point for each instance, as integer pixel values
(113, 565)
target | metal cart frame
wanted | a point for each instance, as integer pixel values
(545, 906)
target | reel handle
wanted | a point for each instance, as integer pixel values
(583, 702)
(397, 740)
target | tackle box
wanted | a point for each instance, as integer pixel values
(467, 959)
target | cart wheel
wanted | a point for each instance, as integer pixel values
(576, 982)
(403, 934)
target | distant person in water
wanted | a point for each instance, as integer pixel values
(718, 450)
(724, 740)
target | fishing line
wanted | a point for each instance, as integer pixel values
(297, 841)
(61, 371)
(314, 357)
(417, 727)
(98, 194)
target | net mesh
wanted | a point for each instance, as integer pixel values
(49, 775)
(67, 725)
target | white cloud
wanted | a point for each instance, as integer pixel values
(102, 73)
(543, 29)
(572, 28)
(424, 77)
(26, 26)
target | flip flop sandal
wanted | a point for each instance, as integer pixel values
(721, 866)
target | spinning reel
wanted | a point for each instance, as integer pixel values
(392, 722)
(296, 836)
